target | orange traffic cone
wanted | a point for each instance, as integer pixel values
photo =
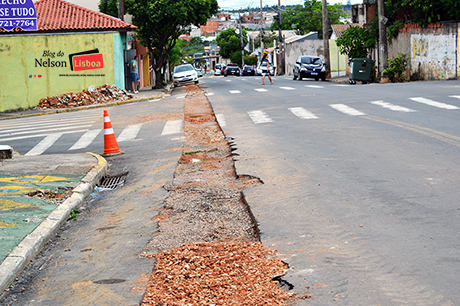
(110, 142)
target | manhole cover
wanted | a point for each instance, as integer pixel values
(114, 181)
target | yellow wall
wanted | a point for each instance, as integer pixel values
(334, 56)
(23, 82)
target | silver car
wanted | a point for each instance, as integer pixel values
(184, 74)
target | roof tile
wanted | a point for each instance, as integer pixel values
(59, 15)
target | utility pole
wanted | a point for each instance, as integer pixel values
(242, 43)
(261, 28)
(327, 57)
(383, 51)
(280, 33)
(121, 12)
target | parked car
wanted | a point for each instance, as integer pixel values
(184, 74)
(232, 69)
(222, 69)
(217, 69)
(249, 70)
(271, 69)
(199, 73)
(309, 67)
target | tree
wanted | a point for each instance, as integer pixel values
(308, 18)
(161, 22)
(358, 42)
(229, 42)
(419, 11)
(250, 60)
(109, 7)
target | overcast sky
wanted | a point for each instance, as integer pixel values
(236, 4)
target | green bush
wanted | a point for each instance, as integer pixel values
(396, 67)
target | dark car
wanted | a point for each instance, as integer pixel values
(233, 69)
(309, 67)
(222, 69)
(249, 70)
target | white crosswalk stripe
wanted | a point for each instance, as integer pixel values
(221, 120)
(259, 116)
(86, 139)
(129, 133)
(260, 89)
(434, 103)
(288, 88)
(314, 86)
(173, 127)
(393, 107)
(235, 91)
(347, 110)
(302, 113)
(43, 145)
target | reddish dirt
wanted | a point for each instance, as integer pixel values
(207, 247)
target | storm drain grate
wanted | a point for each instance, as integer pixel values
(113, 182)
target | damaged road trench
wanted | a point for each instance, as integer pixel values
(207, 247)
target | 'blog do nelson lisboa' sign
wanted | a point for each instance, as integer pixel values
(18, 14)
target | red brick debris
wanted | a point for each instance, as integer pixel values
(216, 273)
(105, 93)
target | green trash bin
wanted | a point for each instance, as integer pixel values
(361, 69)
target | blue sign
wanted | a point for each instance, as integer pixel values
(18, 14)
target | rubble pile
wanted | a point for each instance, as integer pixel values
(105, 93)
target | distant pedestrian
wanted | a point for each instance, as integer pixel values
(134, 74)
(265, 67)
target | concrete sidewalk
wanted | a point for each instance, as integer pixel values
(32, 206)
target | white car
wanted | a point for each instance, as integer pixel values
(271, 69)
(184, 74)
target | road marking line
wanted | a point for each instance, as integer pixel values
(172, 127)
(341, 85)
(393, 107)
(314, 86)
(43, 145)
(287, 88)
(46, 123)
(302, 113)
(260, 89)
(209, 94)
(34, 129)
(347, 110)
(129, 133)
(447, 138)
(40, 135)
(234, 91)
(434, 103)
(259, 116)
(221, 120)
(86, 139)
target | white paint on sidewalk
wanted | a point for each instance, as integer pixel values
(434, 103)
(43, 145)
(259, 116)
(129, 133)
(260, 89)
(234, 91)
(221, 120)
(173, 127)
(86, 139)
(393, 107)
(347, 110)
(302, 113)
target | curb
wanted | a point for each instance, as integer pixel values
(33, 243)
(68, 110)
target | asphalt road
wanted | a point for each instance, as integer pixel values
(94, 260)
(361, 192)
